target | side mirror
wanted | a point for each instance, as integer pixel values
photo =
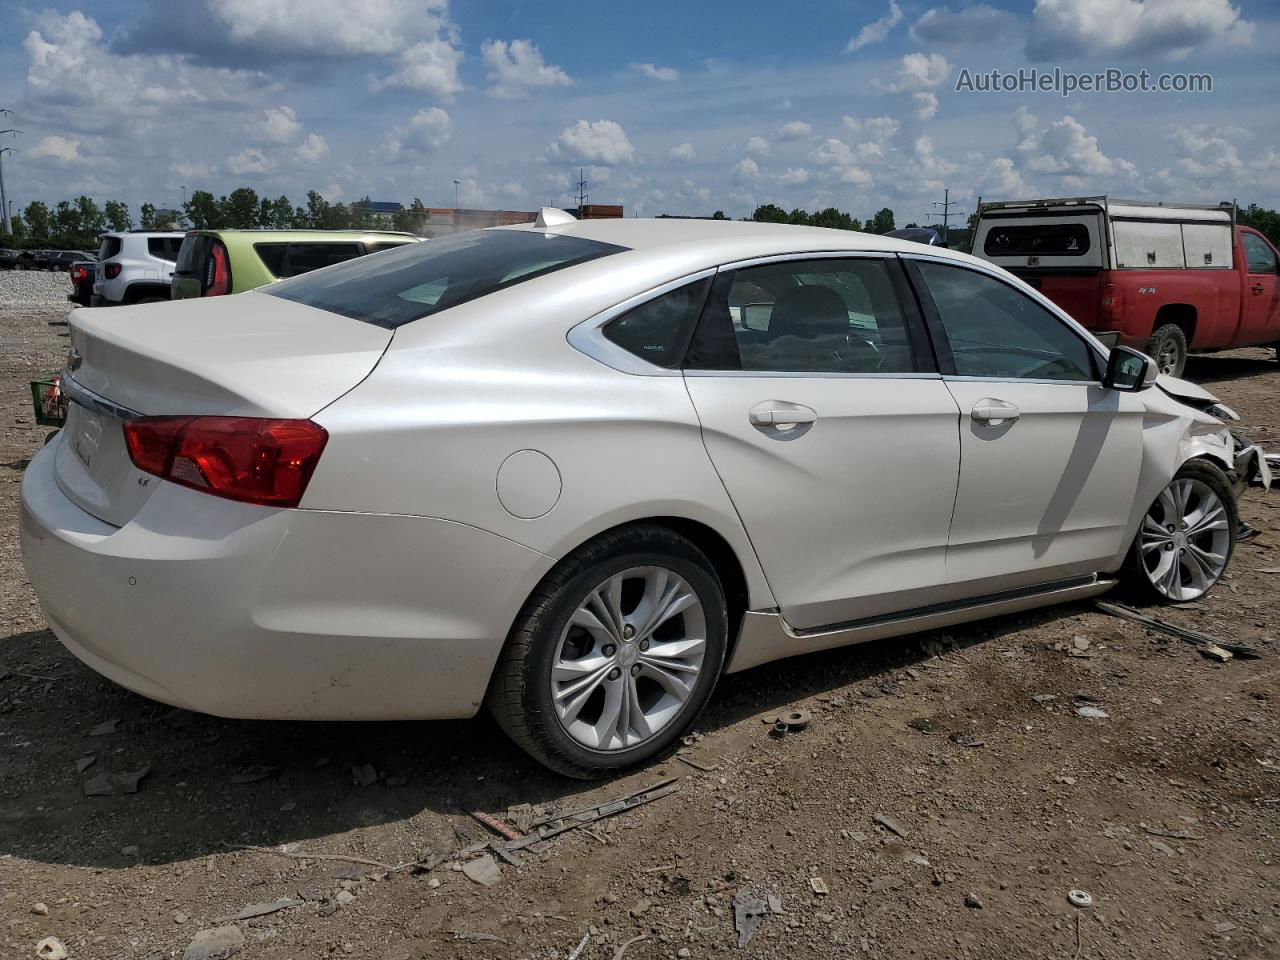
(1128, 370)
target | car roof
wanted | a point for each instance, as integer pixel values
(721, 241)
(296, 236)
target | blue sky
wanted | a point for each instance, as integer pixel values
(678, 108)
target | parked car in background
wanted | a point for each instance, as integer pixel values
(545, 468)
(135, 266)
(9, 259)
(82, 274)
(925, 235)
(63, 259)
(1167, 279)
(217, 262)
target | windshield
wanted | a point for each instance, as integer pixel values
(419, 279)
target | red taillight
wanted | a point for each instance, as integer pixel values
(217, 272)
(1111, 304)
(111, 271)
(78, 274)
(267, 462)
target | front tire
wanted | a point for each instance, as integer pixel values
(1186, 537)
(614, 655)
(1168, 347)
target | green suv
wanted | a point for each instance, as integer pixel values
(212, 263)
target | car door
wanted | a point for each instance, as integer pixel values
(834, 435)
(1260, 307)
(1049, 458)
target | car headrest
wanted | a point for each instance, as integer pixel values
(809, 312)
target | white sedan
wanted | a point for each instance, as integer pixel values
(577, 471)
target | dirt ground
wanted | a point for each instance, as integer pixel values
(1167, 812)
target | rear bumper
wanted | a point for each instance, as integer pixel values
(245, 611)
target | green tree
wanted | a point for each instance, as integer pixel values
(147, 216)
(318, 209)
(39, 221)
(770, 213)
(882, 222)
(1266, 222)
(719, 215)
(117, 215)
(240, 209)
(202, 210)
(89, 222)
(835, 219)
(19, 234)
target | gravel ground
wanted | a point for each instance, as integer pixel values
(39, 288)
(1165, 811)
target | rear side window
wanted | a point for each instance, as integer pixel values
(110, 247)
(379, 247)
(164, 248)
(295, 259)
(421, 279)
(805, 316)
(1040, 240)
(272, 256)
(654, 330)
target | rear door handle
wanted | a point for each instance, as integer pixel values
(1257, 289)
(780, 413)
(991, 410)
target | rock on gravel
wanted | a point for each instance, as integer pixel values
(33, 287)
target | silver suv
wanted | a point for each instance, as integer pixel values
(135, 267)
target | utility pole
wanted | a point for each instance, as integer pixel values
(946, 206)
(582, 191)
(4, 200)
(456, 184)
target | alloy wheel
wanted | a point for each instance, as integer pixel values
(1185, 540)
(629, 658)
(1167, 357)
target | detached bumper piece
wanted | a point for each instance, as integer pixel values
(1253, 467)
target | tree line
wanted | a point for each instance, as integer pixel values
(75, 224)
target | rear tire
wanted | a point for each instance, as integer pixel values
(589, 684)
(1183, 564)
(1168, 347)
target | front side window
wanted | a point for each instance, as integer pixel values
(1261, 258)
(804, 316)
(420, 279)
(997, 331)
(654, 330)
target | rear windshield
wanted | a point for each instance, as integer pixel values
(1038, 240)
(419, 279)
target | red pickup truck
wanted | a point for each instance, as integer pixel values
(1167, 279)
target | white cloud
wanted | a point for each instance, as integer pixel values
(601, 141)
(60, 149)
(926, 105)
(793, 176)
(978, 24)
(516, 67)
(1003, 181)
(747, 169)
(376, 27)
(653, 72)
(1064, 147)
(430, 66)
(251, 160)
(842, 161)
(757, 147)
(877, 30)
(427, 131)
(313, 149)
(919, 71)
(1206, 153)
(795, 130)
(1062, 28)
(280, 124)
(683, 151)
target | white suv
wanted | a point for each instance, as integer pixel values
(135, 266)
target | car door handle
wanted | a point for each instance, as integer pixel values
(1257, 289)
(780, 413)
(991, 410)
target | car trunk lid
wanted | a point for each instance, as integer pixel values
(247, 355)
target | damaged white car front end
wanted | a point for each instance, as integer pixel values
(1207, 435)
